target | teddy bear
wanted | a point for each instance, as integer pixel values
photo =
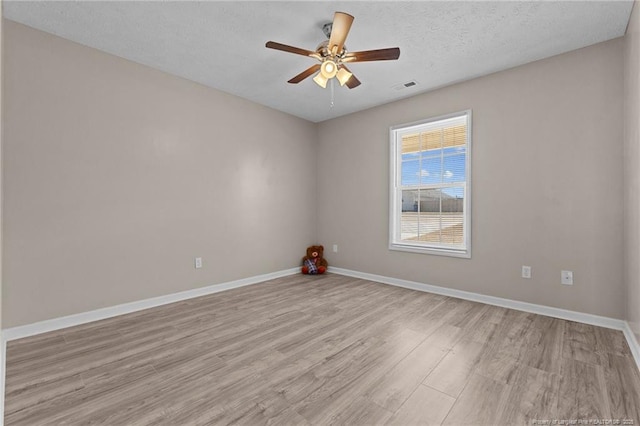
(313, 263)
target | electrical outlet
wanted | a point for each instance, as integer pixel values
(335, 248)
(566, 277)
(198, 262)
(526, 271)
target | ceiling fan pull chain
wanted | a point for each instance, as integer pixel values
(332, 98)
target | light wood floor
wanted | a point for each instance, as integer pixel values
(322, 350)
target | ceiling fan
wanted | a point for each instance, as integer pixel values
(333, 54)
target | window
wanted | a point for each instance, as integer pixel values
(430, 197)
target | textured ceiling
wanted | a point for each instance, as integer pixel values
(221, 44)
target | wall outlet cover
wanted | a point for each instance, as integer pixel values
(566, 277)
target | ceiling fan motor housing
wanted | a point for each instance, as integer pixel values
(323, 51)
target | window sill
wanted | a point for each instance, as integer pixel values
(465, 254)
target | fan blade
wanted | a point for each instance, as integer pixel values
(373, 55)
(304, 74)
(290, 49)
(353, 82)
(339, 30)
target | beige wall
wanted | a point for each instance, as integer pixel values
(117, 176)
(632, 169)
(1, 173)
(547, 184)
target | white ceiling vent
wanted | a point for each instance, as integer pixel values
(406, 85)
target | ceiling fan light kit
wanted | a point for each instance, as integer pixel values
(343, 76)
(332, 55)
(329, 69)
(321, 80)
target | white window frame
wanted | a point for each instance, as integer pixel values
(395, 192)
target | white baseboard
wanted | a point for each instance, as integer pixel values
(549, 311)
(126, 308)
(633, 342)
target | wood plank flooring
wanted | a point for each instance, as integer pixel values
(322, 350)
